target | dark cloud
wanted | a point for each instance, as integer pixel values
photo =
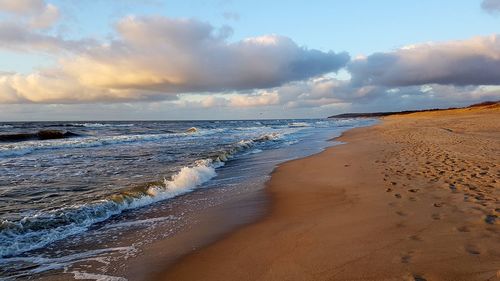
(469, 62)
(492, 6)
(20, 37)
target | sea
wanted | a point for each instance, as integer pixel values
(70, 192)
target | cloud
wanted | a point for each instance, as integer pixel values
(469, 62)
(174, 55)
(38, 13)
(164, 57)
(491, 6)
(19, 37)
(260, 99)
(52, 86)
(157, 58)
(327, 92)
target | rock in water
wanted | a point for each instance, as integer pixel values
(40, 135)
(50, 134)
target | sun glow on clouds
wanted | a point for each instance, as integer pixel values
(165, 57)
(188, 63)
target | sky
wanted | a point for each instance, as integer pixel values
(223, 59)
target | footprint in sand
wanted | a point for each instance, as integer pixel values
(402, 214)
(490, 219)
(472, 250)
(419, 278)
(406, 259)
(393, 204)
(463, 229)
(416, 237)
(436, 216)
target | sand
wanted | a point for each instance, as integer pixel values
(413, 198)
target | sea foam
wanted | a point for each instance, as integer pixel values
(38, 230)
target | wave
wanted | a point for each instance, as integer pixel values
(5, 126)
(28, 147)
(31, 146)
(91, 125)
(299, 124)
(38, 230)
(42, 264)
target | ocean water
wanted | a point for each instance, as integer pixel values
(69, 190)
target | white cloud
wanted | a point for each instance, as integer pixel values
(327, 92)
(159, 58)
(165, 57)
(174, 55)
(259, 99)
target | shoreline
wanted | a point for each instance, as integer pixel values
(244, 209)
(346, 213)
(193, 221)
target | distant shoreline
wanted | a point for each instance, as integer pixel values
(389, 113)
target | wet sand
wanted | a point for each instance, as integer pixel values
(413, 198)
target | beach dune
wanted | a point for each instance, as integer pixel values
(415, 197)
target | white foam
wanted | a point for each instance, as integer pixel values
(27, 147)
(18, 236)
(98, 277)
(19, 149)
(139, 222)
(83, 216)
(45, 264)
(183, 182)
(99, 125)
(190, 177)
(299, 124)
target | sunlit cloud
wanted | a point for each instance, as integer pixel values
(165, 57)
(148, 59)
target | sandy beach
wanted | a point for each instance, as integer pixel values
(413, 198)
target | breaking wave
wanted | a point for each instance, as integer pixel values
(26, 147)
(98, 125)
(299, 124)
(38, 230)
